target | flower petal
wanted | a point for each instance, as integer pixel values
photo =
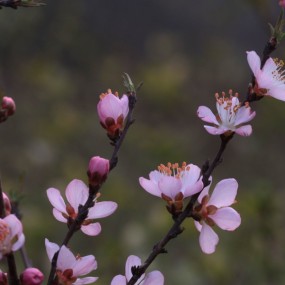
(15, 225)
(102, 209)
(170, 186)
(56, 199)
(278, 92)
(205, 114)
(119, 280)
(66, 259)
(208, 239)
(244, 131)
(224, 193)
(244, 115)
(254, 62)
(131, 261)
(150, 186)
(191, 190)
(215, 131)
(205, 191)
(227, 218)
(84, 265)
(85, 280)
(19, 243)
(51, 248)
(76, 193)
(125, 105)
(198, 225)
(153, 278)
(92, 229)
(58, 215)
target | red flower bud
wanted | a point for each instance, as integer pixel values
(8, 105)
(98, 170)
(31, 276)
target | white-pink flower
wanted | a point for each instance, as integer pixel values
(231, 116)
(152, 278)
(11, 235)
(173, 183)
(270, 79)
(214, 210)
(69, 267)
(77, 194)
(112, 112)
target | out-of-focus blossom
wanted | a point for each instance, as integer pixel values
(3, 278)
(152, 278)
(77, 194)
(231, 116)
(11, 235)
(31, 276)
(282, 3)
(214, 210)
(70, 267)
(173, 183)
(112, 112)
(98, 170)
(7, 204)
(8, 104)
(270, 79)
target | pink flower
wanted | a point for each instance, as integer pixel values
(215, 210)
(31, 276)
(98, 170)
(7, 204)
(69, 267)
(8, 105)
(11, 235)
(152, 278)
(230, 118)
(77, 194)
(282, 3)
(112, 112)
(173, 183)
(269, 79)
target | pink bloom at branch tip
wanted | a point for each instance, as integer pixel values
(214, 210)
(231, 117)
(77, 194)
(270, 80)
(152, 278)
(98, 170)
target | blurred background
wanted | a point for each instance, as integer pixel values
(56, 60)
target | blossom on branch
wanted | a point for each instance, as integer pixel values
(98, 170)
(11, 235)
(31, 276)
(282, 3)
(231, 116)
(152, 278)
(77, 194)
(112, 112)
(173, 183)
(214, 210)
(270, 79)
(70, 267)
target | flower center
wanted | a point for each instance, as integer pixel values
(173, 169)
(278, 73)
(66, 277)
(4, 233)
(109, 91)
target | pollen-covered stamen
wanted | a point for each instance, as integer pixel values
(173, 169)
(278, 73)
(4, 231)
(109, 91)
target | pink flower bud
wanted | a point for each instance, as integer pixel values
(3, 278)
(282, 3)
(31, 276)
(98, 170)
(8, 105)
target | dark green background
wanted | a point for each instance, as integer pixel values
(56, 60)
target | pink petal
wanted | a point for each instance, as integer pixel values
(131, 261)
(269, 67)
(19, 243)
(254, 62)
(119, 280)
(84, 265)
(224, 193)
(170, 186)
(278, 92)
(66, 259)
(244, 131)
(153, 278)
(244, 115)
(227, 218)
(109, 106)
(207, 115)
(150, 186)
(191, 190)
(215, 131)
(208, 239)
(85, 280)
(92, 229)
(14, 224)
(58, 215)
(198, 225)
(205, 191)
(190, 177)
(125, 105)
(102, 209)
(51, 248)
(56, 199)
(76, 193)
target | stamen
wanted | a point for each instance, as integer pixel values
(173, 169)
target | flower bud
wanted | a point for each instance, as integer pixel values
(98, 170)
(7, 204)
(3, 278)
(8, 105)
(282, 3)
(31, 276)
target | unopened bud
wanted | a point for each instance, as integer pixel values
(31, 276)
(98, 170)
(8, 105)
